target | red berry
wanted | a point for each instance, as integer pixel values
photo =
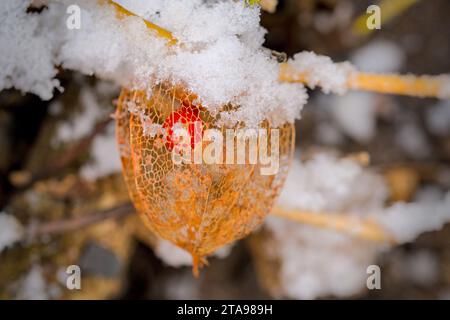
(188, 115)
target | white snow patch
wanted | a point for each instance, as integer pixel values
(321, 71)
(176, 257)
(326, 183)
(33, 286)
(379, 56)
(223, 63)
(11, 230)
(406, 221)
(81, 124)
(105, 156)
(354, 114)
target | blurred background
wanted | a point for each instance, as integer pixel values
(60, 170)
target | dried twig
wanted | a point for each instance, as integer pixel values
(66, 225)
(359, 227)
(408, 85)
(161, 32)
(362, 228)
(55, 167)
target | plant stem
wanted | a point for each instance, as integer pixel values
(161, 32)
(409, 85)
(362, 228)
(67, 225)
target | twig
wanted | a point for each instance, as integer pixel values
(66, 225)
(362, 228)
(161, 32)
(67, 157)
(409, 85)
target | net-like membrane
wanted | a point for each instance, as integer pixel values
(199, 207)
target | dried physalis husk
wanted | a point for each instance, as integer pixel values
(197, 206)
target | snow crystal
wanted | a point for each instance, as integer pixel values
(406, 221)
(321, 71)
(224, 63)
(10, 230)
(26, 59)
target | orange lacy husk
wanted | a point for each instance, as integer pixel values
(198, 207)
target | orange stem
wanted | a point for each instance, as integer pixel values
(353, 225)
(409, 85)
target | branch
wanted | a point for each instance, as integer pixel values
(408, 85)
(362, 228)
(66, 225)
(161, 32)
(56, 166)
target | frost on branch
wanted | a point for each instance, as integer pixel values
(224, 63)
(316, 70)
